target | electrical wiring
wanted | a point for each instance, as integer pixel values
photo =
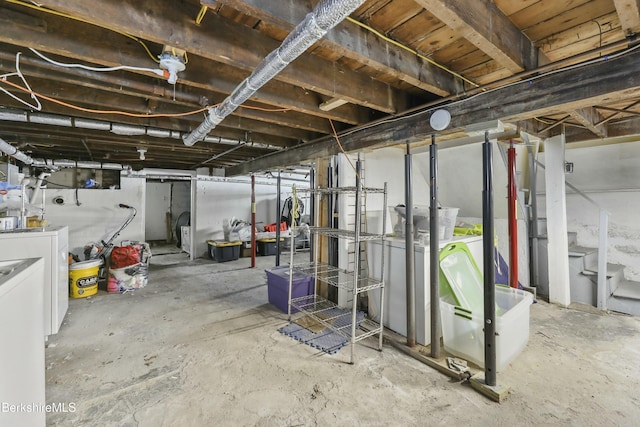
(123, 113)
(412, 51)
(66, 15)
(335, 135)
(116, 112)
(156, 71)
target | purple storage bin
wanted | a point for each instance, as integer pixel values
(278, 287)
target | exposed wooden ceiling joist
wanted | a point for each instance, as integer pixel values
(353, 42)
(484, 25)
(97, 47)
(484, 41)
(589, 117)
(168, 23)
(629, 13)
(576, 88)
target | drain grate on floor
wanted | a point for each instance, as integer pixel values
(324, 339)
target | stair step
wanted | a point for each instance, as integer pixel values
(628, 289)
(612, 270)
(577, 250)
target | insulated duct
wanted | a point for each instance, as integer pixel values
(326, 15)
(64, 163)
(9, 149)
(21, 116)
(12, 151)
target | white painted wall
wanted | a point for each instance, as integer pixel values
(216, 201)
(610, 175)
(98, 215)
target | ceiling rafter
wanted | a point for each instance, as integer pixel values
(617, 79)
(484, 25)
(351, 41)
(97, 48)
(589, 117)
(629, 15)
(164, 23)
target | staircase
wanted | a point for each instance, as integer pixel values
(623, 295)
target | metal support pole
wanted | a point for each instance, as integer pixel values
(434, 247)
(410, 262)
(253, 221)
(512, 201)
(356, 256)
(330, 208)
(278, 218)
(312, 211)
(533, 229)
(489, 272)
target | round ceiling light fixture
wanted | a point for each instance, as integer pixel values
(440, 119)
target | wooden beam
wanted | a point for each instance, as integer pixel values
(161, 123)
(484, 25)
(626, 127)
(609, 80)
(588, 117)
(353, 42)
(104, 100)
(185, 97)
(629, 15)
(96, 46)
(162, 21)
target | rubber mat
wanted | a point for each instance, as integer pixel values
(326, 340)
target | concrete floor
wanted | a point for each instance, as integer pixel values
(199, 346)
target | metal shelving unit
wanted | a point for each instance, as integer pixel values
(344, 321)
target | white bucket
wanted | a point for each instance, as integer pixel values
(447, 217)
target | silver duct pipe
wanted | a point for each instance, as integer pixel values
(16, 115)
(65, 163)
(12, 151)
(326, 15)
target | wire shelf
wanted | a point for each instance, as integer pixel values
(335, 318)
(345, 234)
(337, 277)
(341, 190)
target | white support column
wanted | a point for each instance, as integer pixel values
(558, 250)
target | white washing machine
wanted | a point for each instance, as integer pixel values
(52, 244)
(21, 345)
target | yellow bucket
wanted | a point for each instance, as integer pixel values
(83, 278)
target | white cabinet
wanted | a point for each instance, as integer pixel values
(21, 345)
(395, 299)
(52, 244)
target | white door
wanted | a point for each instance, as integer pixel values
(158, 204)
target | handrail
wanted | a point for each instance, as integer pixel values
(603, 236)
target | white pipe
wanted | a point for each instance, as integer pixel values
(326, 15)
(38, 188)
(16, 115)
